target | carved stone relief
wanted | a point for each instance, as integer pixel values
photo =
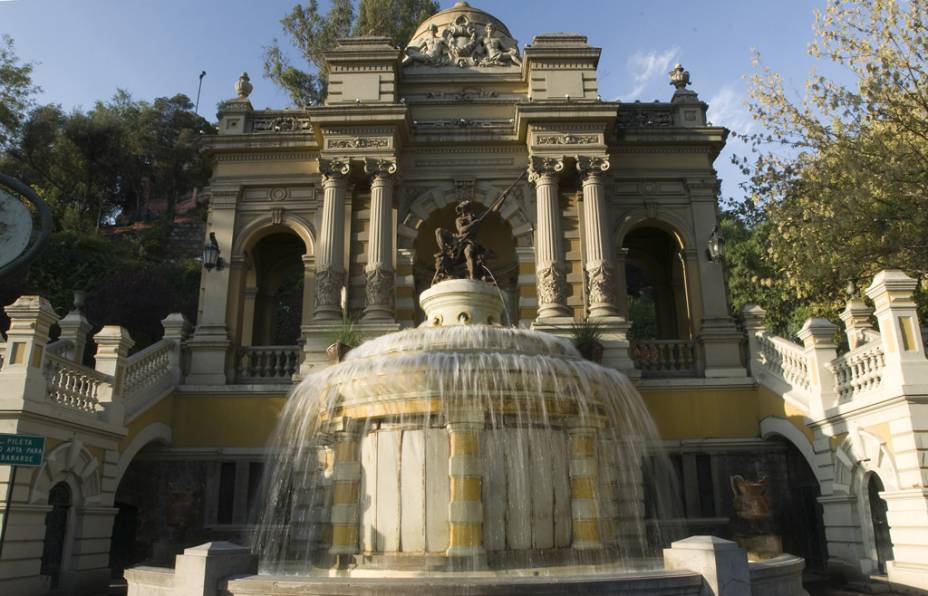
(329, 284)
(566, 139)
(281, 124)
(358, 143)
(600, 280)
(462, 43)
(379, 286)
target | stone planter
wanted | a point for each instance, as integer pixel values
(592, 351)
(337, 351)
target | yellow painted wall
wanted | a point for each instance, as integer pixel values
(248, 420)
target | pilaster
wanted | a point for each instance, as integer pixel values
(21, 377)
(113, 345)
(465, 509)
(817, 335)
(891, 292)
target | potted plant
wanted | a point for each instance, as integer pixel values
(586, 335)
(345, 337)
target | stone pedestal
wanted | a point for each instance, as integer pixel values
(461, 302)
(723, 566)
(198, 571)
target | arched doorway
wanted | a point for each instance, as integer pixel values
(56, 532)
(802, 518)
(878, 508)
(495, 234)
(277, 261)
(655, 281)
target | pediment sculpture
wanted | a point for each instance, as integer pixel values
(462, 43)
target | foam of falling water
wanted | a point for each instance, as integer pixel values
(397, 392)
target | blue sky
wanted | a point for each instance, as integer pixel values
(85, 49)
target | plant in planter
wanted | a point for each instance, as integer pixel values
(586, 335)
(346, 336)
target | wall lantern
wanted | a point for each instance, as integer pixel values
(211, 257)
(714, 245)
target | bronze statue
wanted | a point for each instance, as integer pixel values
(459, 254)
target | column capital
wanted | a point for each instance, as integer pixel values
(544, 167)
(380, 169)
(591, 166)
(334, 169)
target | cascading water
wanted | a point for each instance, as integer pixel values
(471, 446)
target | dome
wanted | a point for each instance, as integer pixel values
(447, 17)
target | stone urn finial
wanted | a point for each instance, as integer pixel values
(679, 77)
(243, 86)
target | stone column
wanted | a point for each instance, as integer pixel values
(75, 328)
(550, 274)
(346, 479)
(857, 327)
(113, 345)
(330, 258)
(465, 510)
(817, 336)
(584, 506)
(21, 377)
(379, 270)
(599, 266)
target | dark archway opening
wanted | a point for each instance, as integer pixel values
(655, 284)
(56, 532)
(122, 541)
(278, 263)
(802, 518)
(878, 509)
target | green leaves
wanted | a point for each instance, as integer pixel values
(16, 91)
(313, 34)
(837, 190)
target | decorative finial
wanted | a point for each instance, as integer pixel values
(243, 86)
(679, 77)
(80, 296)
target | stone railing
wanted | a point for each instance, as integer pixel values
(149, 373)
(267, 364)
(62, 347)
(858, 371)
(74, 386)
(664, 357)
(783, 359)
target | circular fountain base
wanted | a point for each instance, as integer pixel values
(573, 581)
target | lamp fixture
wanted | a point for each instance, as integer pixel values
(715, 245)
(211, 257)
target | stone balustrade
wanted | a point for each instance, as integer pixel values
(74, 386)
(823, 380)
(859, 371)
(665, 358)
(267, 364)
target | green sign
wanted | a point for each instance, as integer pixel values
(22, 450)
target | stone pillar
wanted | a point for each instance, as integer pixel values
(753, 317)
(599, 266)
(113, 345)
(177, 329)
(465, 509)
(346, 472)
(818, 337)
(584, 481)
(891, 292)
(21, 377)
(75, 328)
(857, 327)
(722, 564)
(330, 258)
(550, 273)
(379, 270)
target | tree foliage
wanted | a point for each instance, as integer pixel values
(94, 166)
(838, 183)
(314, 33)
(16, 91)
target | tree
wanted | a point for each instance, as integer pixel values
(16, 91)
(838, 187)
(314, 34)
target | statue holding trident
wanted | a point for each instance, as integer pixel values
(459, 254)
